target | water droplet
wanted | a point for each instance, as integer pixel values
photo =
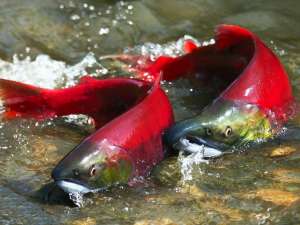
(72, 4)
(114, 22)
(75, 17)
(27, 50)
(103, 30)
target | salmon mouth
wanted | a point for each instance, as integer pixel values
(192, 144)
(73, 186)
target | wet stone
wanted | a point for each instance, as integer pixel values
(163, 221)
(192, 190)
(287, 175)
(219, 207)
(84, 221)
(167, 172)
(282, 151)
(18, 210)
(277, 197)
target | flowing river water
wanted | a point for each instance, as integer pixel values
(52, 43)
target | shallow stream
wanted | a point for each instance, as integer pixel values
(52, 43)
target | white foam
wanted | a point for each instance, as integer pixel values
(154, 50)
(44, 71)
(77, 199)
(187, 164)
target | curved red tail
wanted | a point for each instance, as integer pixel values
(100, 99)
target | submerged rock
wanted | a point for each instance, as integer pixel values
(84, 221)
(282, 151)
(16, 209)
(192, 190)
(287, 175)
(277, 197)
(163, 221)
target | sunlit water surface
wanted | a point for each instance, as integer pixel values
(52, 43)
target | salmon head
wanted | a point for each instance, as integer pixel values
(93, 165)
(252, 107)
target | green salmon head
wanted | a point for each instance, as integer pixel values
(93, 166)
(220, 127)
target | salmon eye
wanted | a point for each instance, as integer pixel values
(76, 172)
(93, 170)
(208, 131)
(228, 131)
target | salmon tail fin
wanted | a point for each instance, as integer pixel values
(22, 100)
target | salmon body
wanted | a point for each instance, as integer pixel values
(256, 99)
(125, 148)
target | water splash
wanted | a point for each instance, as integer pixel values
(199, 154)
(187, 164)
(155, 50)
(46, 72)
(77, 198)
